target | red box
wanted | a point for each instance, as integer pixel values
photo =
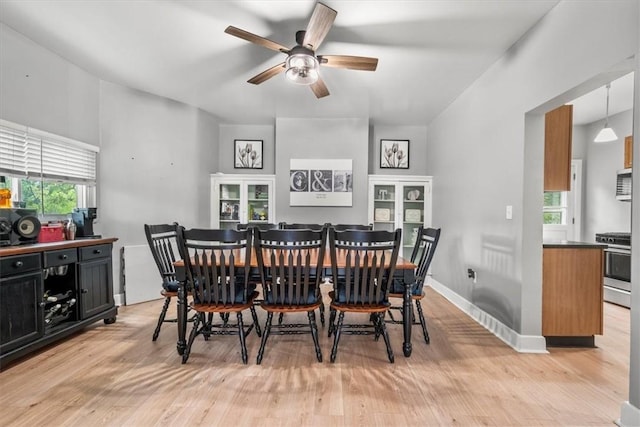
(51, 233)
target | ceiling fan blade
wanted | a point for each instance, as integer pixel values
(250, 37)
(319, 88)
(351, 62)
(267, 74)
(319, 25)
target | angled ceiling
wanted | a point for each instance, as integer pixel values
(429, 51)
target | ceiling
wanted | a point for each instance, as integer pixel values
(429, 51)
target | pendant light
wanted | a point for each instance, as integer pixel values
(606, 134)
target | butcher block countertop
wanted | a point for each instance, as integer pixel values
(64, 244)
(570, 244)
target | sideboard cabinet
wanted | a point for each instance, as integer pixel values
(51, 290)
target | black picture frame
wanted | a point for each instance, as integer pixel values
(247, 154)
(394, 154)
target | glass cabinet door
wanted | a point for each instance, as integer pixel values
(384, 207)
(229, 205)
(400, 202)
(413, 203)
(258, 203)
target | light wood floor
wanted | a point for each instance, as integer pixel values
(115, 375)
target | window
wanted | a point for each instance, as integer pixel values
(555, 207)
(46, 172)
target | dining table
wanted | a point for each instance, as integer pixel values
(404, 273)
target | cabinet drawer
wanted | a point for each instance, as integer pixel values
(12, 265)
(93, 252)
(61, 257)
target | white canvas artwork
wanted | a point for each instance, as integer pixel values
(320, 182)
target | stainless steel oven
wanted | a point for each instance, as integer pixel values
(617, 267)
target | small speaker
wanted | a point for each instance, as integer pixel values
(19, 226)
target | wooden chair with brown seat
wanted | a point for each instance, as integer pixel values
(163, 243)
(217, 265)
(362, 266)
(289, 262)
(304, 226)
(422, 254)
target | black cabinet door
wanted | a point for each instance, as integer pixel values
(21, 314)
(96, 286)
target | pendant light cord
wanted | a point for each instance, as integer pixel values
(606, 120)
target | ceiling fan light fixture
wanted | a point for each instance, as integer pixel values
(302, 68)
(606, 134)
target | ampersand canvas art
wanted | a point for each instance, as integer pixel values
(320, 182)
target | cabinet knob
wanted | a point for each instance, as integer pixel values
(42, 304)
(84, 291)
(18, 264)
(64, 256)
(97, 251)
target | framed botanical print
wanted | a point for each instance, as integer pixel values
(247, 154)
(394, 153)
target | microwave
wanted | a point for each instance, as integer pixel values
(623, 185)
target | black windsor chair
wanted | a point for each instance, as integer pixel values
(361, 281)
(217, 265)
(289, 262)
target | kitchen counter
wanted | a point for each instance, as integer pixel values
(570, 244)
(572, 292)
(64, 244)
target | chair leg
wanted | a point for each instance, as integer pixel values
(385, 335)
(423, 322)
(322, 313)
(224, 317)
(336, 337)
(163, 314)
(314, 333)
(243, 343)
(255, 320)
(332, 320)
(265, 335)
(192, 336)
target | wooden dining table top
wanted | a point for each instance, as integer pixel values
(239, 258)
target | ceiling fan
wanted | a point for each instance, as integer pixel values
(302, 64)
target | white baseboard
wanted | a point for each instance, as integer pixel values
(521, 343)
(118, 299)
(629, 415)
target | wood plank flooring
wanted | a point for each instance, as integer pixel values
(114, 375)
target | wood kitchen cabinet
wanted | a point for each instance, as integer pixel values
(628, 152)
(558, 125)
(572, 290)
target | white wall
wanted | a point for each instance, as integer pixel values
(603, 212)
(478, 156)
(322, 139)
(40, 89)
(155, 162)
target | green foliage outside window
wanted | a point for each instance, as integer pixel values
(59, 197)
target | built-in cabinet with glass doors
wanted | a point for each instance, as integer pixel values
(242, 199)
(400, 202)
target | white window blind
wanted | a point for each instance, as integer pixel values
(37, 154)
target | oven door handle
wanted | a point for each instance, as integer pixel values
(618, 251)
